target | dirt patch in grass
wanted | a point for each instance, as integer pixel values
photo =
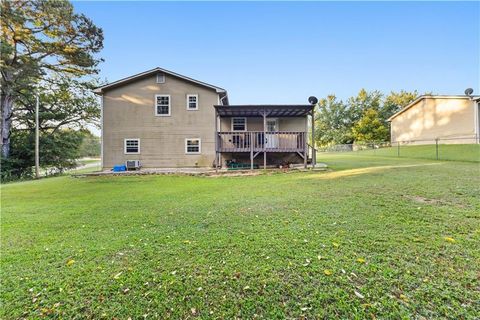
(435, 202)
(424, 200)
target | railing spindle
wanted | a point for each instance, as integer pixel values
(287, 141)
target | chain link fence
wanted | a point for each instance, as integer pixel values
(465, 148)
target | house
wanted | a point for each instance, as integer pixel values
(451, 119)
(164, 119)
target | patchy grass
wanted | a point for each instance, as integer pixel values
(86, 161)
(455, 152)
(374, 237)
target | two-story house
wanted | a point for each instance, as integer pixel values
(165, 119)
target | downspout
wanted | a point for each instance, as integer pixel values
(101, 133)
(221, 99)
(476, 119)
(476, 112)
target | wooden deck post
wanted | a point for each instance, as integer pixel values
(251, 150)
(305, 144)
(305, 150)
(216, 140)
(264, 140)
(314, 151)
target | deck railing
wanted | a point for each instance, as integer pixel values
(282, 141)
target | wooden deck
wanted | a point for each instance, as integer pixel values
(259, 141)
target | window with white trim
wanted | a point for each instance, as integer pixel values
(239, 124)
(192, 101)
(193, 146)
(132, 146)
(160, 78)
(162, 105)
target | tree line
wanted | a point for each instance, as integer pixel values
(51, 51)
(361, 118)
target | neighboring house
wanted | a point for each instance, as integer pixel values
(165, 119)
(452, 119)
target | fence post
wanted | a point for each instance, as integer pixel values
(398, 148)
(436, 147)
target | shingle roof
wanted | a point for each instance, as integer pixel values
(135, 77)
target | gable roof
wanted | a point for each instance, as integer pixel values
(118, 83)
(422, 97)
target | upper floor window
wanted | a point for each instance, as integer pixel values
(132, 146)
(239, 124)
(162, 105)
(160, 78)
(192, 101)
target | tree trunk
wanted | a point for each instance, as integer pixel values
(6, 104)
(6, 112)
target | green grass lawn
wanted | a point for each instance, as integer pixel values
(456, 152)
(374, 237)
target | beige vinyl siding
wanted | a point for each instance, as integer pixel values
(129, 112)
(432, 118)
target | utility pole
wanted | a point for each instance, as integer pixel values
(37, 139)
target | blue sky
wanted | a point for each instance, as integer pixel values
(283, 52)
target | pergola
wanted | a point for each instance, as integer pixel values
(265, 111)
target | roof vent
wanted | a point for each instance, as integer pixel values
(160, 77)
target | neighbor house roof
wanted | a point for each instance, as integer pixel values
(271, 110)
(121, 82)
(426, 96)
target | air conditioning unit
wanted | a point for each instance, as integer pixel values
(133, 164)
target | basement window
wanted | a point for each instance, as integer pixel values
(132, 146)
(193, 146)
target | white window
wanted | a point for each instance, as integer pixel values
(162, 105)
(192, 101)
(160, 78)
(272, 125)
(193, 146)
(132, 146)
(239, 124)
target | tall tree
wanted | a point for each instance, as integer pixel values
(65, 104)
(370, 127)
(332, 120)
(363, 101)
(91, 146)
(68, 107)
(396, 101)
(362, 117)
(41, 39)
